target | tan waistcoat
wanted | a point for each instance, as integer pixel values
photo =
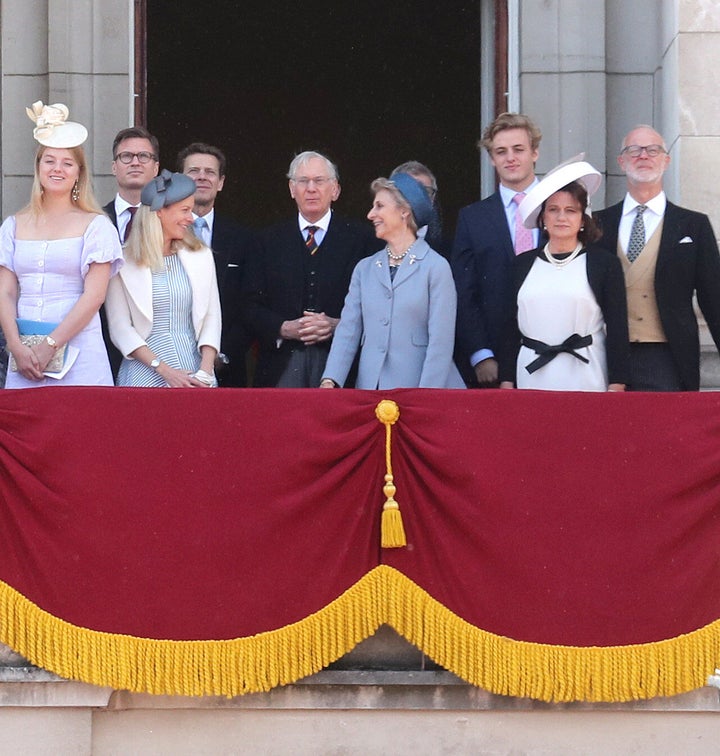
(643, 315)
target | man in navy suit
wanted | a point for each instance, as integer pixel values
(668, 254)
(135, 161)
(296, 286)
(489, 234)
(232, 245)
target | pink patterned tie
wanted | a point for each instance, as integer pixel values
(523, 236)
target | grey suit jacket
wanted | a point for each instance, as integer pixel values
(405, 327)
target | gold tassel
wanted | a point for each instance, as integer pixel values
(392, 532)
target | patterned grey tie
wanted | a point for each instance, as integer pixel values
(637, 234)
(199, 225)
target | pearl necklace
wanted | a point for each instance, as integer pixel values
(561, 263)
(398, 258)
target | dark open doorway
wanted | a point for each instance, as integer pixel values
(372, 84)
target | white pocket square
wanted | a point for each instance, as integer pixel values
(685, 240)
(235, 265)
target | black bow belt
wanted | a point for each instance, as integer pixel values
(548, 353)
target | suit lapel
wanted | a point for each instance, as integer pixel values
(194, 264)
(138, 284)
(670, 234)
(382, 269)
(500, 230)
(411, 263)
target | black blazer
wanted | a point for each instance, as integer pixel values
(482, 263)
(688, 262)
(233, 245)
(280, 282)
(605, 277)
(114, 354)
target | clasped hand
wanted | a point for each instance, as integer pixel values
(311, 328)
(32, 361)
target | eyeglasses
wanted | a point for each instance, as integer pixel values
(319, 181)
(128, 157)
(635, 150)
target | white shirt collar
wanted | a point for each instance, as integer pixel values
(121, 205)
(657, 204)
(507, 194)
(323, 223)
(209, 218)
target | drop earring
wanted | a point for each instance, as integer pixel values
(76, 192)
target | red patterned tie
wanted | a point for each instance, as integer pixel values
(523, 236)
(132, 211)
(310, 240)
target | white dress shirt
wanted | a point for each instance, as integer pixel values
(651, 217)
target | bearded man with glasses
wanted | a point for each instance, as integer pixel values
(668, 254)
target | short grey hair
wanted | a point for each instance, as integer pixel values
(305, 157)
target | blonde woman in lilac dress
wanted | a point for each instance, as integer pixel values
(56, 258)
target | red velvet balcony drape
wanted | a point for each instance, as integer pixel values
(226, 541)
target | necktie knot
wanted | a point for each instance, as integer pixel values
(128, 227)
(523, 236)
(310, 242)
(199, 226)
(637, 234)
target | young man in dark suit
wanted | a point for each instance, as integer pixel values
(232, 245)
(296, 286)
(668, 254)
(488, 236)
(135, 161)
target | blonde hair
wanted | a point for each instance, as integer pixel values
(145, 244)
(86, 198)
(383, 184)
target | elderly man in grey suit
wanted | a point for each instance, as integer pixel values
(668, 254)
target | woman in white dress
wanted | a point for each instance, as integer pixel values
(164, 309)
(56, 258)
(569, 328)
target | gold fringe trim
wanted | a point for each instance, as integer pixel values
(233, 667)
(392, 532)
(384, 595)
(546, 672)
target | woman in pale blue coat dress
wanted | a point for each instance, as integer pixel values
(400, 309)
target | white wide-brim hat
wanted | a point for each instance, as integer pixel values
(575, 169)
(52, 129)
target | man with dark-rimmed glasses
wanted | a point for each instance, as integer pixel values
(135, 161)
(668, 254)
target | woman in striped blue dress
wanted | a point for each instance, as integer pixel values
(164, 314)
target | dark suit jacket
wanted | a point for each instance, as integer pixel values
(482, 263)
(280, 283)
(605, 277)
(114, 354)
(233, 245)
(682, 269)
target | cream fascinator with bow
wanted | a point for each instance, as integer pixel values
(52, 128)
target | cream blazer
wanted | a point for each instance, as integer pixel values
(128, 304)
